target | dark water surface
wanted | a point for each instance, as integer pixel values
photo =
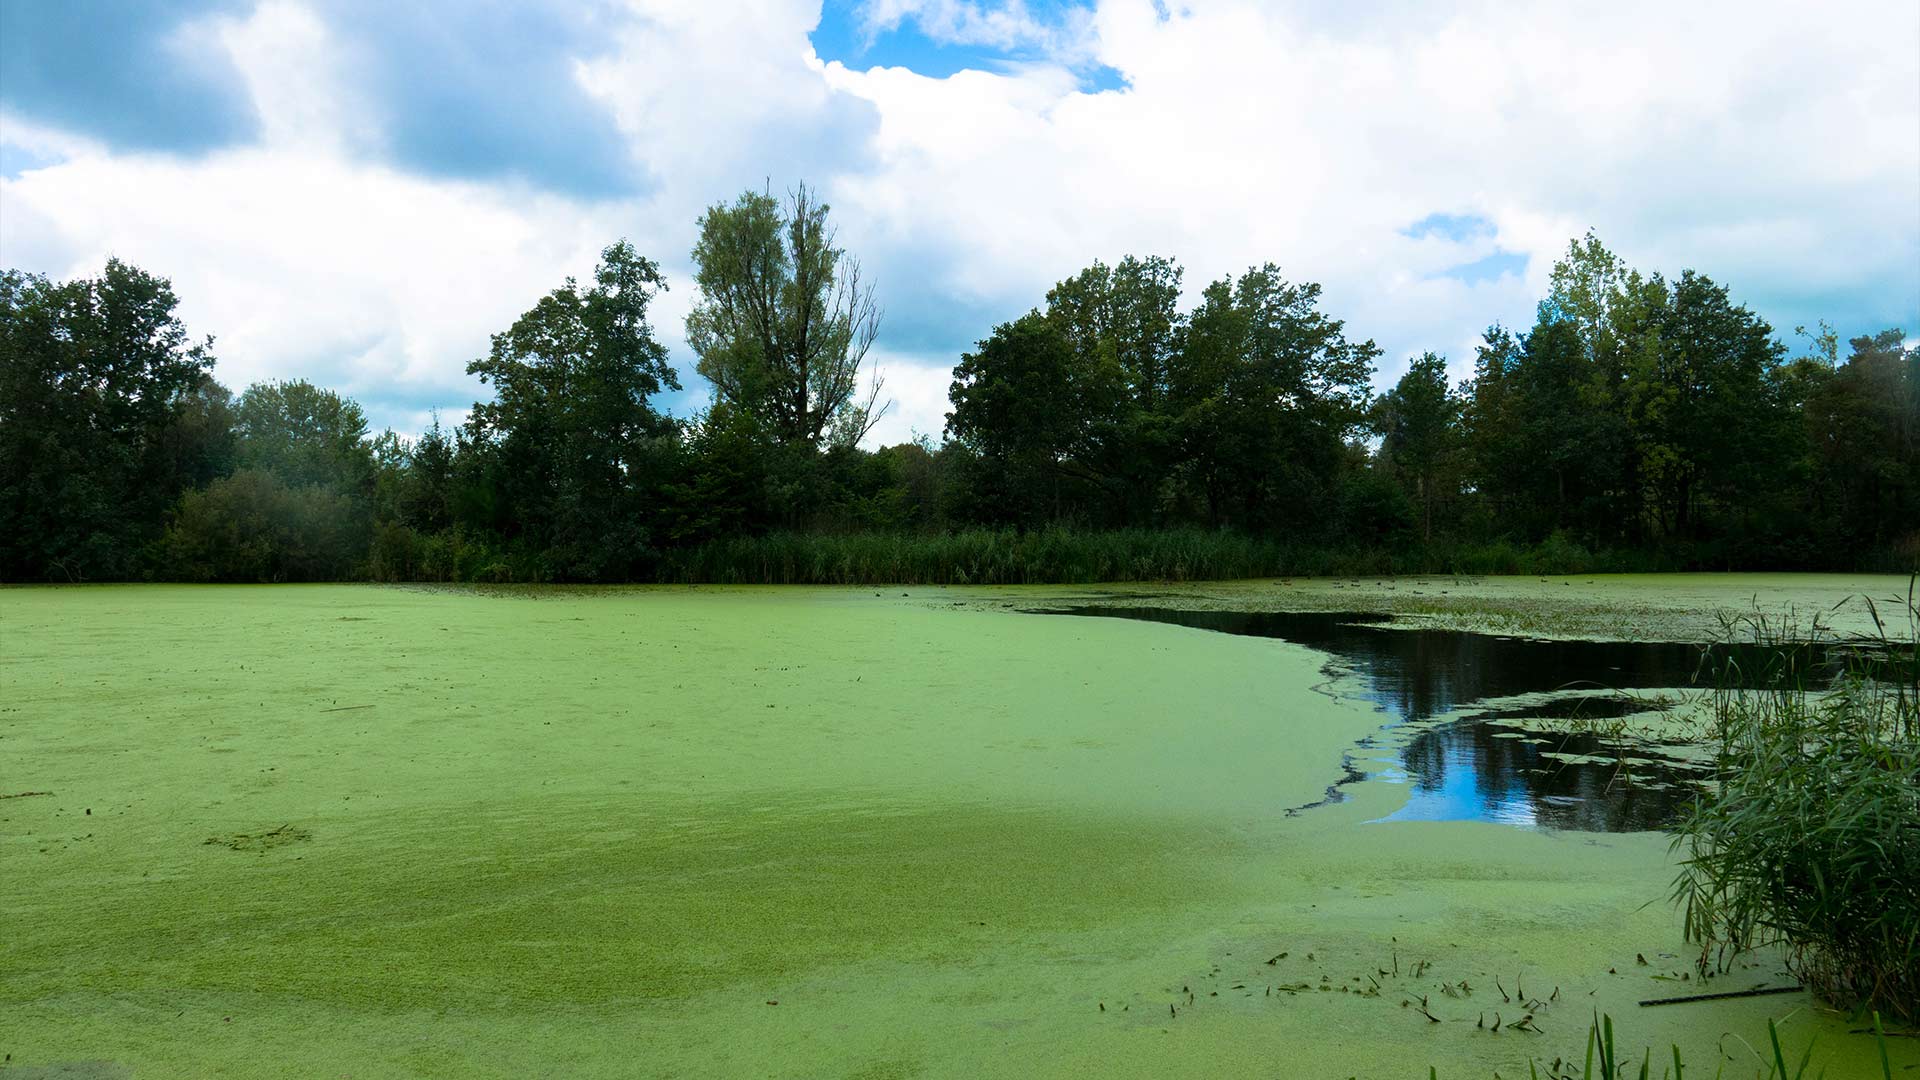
(1466, 763)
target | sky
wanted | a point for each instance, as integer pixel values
(358, 193)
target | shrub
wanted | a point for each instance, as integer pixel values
(250, 527)
(1812, 839)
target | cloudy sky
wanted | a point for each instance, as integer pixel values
(358, 192)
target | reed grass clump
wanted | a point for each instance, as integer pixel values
(1810, 839)
(1064, 555)
(998, 557)
(1604, 1059)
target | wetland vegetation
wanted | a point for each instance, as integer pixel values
(513, 814)
(1642, 423)
(1811, 838)
(522, 644)
(428, 831)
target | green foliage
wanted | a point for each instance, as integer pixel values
(1419, 427)
(1862, 438)
(1055, 554)
(978, 557)
(107, 412)
(304, 435)
(1641, 423)
(399, 553)
(252, 527)
(1025, 405)
(1812, 838)
(417, 482)
(570, 448)
(785, 319)
(1375, 511)
(1604, 1061)
(1112, 408)
(1637, 411)
(1267, 396)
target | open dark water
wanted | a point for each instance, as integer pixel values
(1462, 762)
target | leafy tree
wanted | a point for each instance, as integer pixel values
(107, 411)
(1267, 393)
(785, 319)
(424, 499)
(919, 473)
(304, 435)
(1025, 403)
(1529, 420)
(570, 450)
(1638, 412)
(1634, 407)
(1603, 313)
(1419, 426)
(1863, 422)
(1371, 509)
(1706, 424)
(1126, 331)
(1491, 418)
(1127, 315)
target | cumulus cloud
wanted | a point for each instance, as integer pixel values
(1250, 132)
(140, 74)
(1427, 166)
(302, 259)
(1012, 26)
(309, 255)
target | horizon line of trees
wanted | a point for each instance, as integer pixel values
(1640, 415)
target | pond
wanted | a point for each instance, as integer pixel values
(1479, 722)
(822, 832)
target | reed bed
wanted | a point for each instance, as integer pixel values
(1810, 839)
(1078, 556)
(1604, 1059)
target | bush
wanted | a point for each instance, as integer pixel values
(1558, 554)
(250, 527)
(1812, 839)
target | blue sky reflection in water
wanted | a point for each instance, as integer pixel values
(1470, 714)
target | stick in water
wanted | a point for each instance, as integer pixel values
(1755, 992)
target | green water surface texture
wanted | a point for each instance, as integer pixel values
(353, 831)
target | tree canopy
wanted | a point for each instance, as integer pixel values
(1641, 420)
(785, 319)
(108, 411)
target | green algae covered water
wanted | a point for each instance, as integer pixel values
(375, 832)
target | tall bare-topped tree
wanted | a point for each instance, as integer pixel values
(785, 318)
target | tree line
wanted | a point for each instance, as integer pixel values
(1641, 422)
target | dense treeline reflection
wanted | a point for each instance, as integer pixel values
(1489, 765)
(1419, 674)
(1641, 422)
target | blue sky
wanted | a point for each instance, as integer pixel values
(857, 36)
(359, 192)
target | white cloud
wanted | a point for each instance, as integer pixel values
(1010, 25)
(1247, 134)
(304, 265)
(917, 387)
(1776, 147)
(308, 258)
(289, 61)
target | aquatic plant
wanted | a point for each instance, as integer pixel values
(1070, 555)
(1604, 1060)
(1811, 838)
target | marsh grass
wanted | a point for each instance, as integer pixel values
(1810, 839)
(1050, 556)
(1081, 556)
(1604, 1060)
